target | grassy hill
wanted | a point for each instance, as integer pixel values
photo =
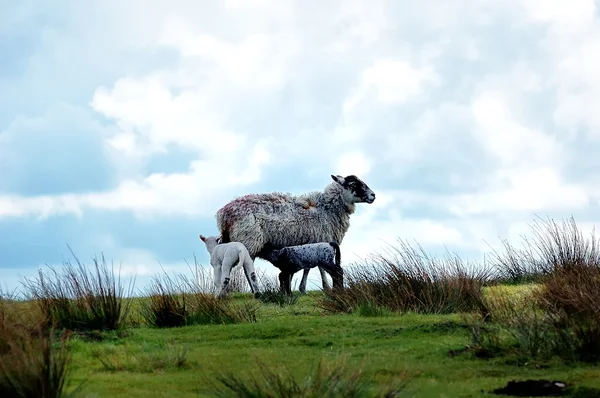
(403, 326)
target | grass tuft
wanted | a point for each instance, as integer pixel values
(270, 292)
(166, 304)
(175, 302)
(408, 280)
(561, 316)
(80, 299)
(31, 366)
(329, 379)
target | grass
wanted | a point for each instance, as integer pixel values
(388, 350)
(330, 378)
(79, 299)
(408, 280)
(558, 318)
(405, 325)
(34, 361)
(178, 302)
(33, 367)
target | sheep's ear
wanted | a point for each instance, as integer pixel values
(202, 238)
(338, 178)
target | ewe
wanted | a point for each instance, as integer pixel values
(270, 221)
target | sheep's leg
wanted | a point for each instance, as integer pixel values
(324, 278)
(250, 273)
(285, 282)
(337, 276)
(282, 278)
(336, 273)
(228, 264)
(289, 283)
(217, 276)
(304, 279)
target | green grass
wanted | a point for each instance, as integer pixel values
(182, 362)
(404, 326)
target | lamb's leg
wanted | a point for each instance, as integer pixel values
(217, 276)
(324, 278)
(228, 263)
(251, 276)
(337, 276)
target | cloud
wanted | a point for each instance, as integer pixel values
(393, 82)
(466, 120)
(59, 152)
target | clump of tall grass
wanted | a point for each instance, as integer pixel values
(179, 301)
(561, 316)
(80, 299)
(551, 247)
(270, 292)
(6, 310)
(408, 280)
(165, 304)
(329, 379)
(31, 366)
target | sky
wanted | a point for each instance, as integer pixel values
(125, 125)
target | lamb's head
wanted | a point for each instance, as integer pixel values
(210, 242)
(355, 190)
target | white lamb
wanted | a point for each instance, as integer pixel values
(225, 256)
(269, 221)
(292, 259)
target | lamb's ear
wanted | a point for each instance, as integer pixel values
(202, 238)
(338, 178)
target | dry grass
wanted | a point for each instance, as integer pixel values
(80, 299)
(408, 280)
(179, 301)
(329, 379)
(30, 364)
(561, 317)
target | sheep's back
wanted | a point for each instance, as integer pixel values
(251, 204)
(283, 219)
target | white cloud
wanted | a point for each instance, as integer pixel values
(509, 141)
(394, 81)
(466, 119)
(354, 162)
(566, 18)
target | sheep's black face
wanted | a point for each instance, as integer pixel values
(360, 192)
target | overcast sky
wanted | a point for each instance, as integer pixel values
(125, 125)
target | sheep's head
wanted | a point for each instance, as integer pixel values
(355, 190)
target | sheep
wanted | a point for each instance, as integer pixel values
(269, 221)
(223, 257)
(292, 259)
